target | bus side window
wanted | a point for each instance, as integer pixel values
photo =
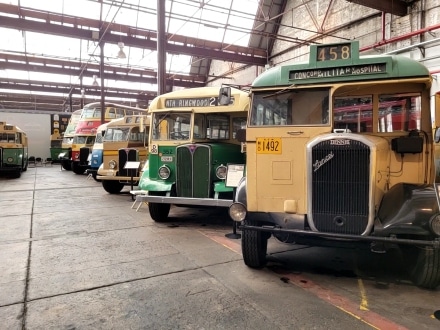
(237, 124)
(111, 113)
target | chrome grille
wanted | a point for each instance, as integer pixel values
(193, 166)
(340, 186)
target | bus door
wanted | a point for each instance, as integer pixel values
(280, 127)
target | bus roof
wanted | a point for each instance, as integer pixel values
(10, 127)
(129, 120)
(198, 98)
(114, 105)
(323, 70)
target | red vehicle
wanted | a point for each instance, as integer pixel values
(87, 126)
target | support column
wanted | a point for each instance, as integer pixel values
(161, 51)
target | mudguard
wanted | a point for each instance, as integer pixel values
(240, 193)
(406, 210)
(145, 183)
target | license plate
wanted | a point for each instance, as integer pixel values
(269, 146)
(166, 158)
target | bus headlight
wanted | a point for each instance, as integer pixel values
(434, 223)
(164, 172)
(112, 164)
(10, 159)
(221, 172)
(237, 212)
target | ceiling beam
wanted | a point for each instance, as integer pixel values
(210, 50)
(78, 69)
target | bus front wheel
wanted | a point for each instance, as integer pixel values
(159, 212)
(77, 168)
(254, 246)
(425, 267)
(66, 164)
(16, 174)
(112, 187)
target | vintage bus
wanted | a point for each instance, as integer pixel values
(316, 176)
(86, 128)
(13, 150)
(59, 123)
(192, 140)
(65, 154)
(125, 151)
(97, 151)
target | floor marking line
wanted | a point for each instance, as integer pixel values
(226, 242)
(371, 318)
(362, 313)
(364, 302)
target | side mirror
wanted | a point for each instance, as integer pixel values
(437, 135)
(224, 97)
(437, 109)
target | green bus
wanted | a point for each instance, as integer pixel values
(192, 141)
(340, 150)
(13, 150)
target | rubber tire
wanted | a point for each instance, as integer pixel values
(425, 271)
(159, 212)
(112, 187)
(77, 169)
(66, 164)
(254, 246)
(16, 174)
(94, 176)
(25, 167)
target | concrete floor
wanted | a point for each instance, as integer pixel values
(74, 257)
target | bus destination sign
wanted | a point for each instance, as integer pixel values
(346, 71)
(333, 52)
(192, 102)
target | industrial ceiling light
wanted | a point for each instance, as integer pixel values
(95, 82)
(121, 53)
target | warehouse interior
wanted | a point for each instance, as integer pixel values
(58, 57)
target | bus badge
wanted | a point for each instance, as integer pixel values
(321, 162)
(192, 148)
(340, 142)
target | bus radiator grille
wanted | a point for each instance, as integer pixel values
(124, 156)
(340, 187)
(193, 171)
(84, 155)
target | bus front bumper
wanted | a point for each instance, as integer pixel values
(118, 178)
(185, 200)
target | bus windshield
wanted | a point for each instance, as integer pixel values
(291, 108)
(177, 126)
(87, 140)
(397, 112)
(8, 137)
(171, 126)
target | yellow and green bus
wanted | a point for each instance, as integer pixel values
(65, 155)
(340, 150)
(124, 144)
(13, 150)
(192, 140)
